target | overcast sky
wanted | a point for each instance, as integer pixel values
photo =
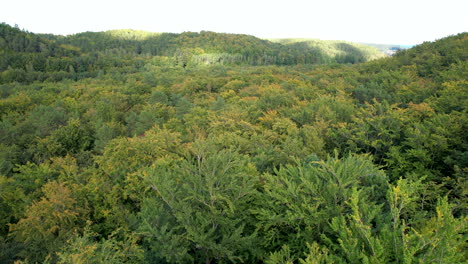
(391, 22)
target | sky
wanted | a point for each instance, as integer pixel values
(404, 22)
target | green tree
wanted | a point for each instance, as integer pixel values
(199, 211)
(299, 201)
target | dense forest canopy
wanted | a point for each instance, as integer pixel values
(31, 57)
(135, 147)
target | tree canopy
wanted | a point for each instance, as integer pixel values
(135, 147)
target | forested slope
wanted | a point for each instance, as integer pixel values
(139, 161)
(339, 51)
(27, 57)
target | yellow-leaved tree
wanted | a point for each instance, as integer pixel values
(49, 223)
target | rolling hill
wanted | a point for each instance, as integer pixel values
(88, 52)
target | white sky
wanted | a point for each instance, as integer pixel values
(377, 21)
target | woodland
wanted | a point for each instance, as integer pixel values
(134, 147)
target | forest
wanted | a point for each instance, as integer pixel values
(134, 147)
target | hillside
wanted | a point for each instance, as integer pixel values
(114, 155)
(210, 47)
(341, 51)
(55, 57)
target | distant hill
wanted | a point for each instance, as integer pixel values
(341, 51)
(27, 57)
(185, 49)
(210, 47)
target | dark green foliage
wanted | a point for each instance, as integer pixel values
(301, 200)
(195, 213)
